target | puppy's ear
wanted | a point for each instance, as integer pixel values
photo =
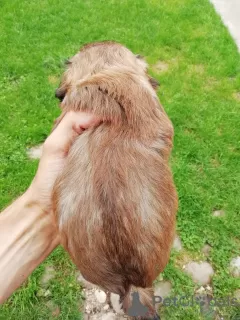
(154, 83)
(60, 93)
(92, 97)
(141, 61)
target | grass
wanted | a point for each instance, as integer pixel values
(199, 90)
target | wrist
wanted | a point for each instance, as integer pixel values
(36, 197)
(28, 234)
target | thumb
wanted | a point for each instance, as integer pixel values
(71, 125)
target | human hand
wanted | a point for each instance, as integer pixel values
(55, 150)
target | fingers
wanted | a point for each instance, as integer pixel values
(87, 120)
(71, 125)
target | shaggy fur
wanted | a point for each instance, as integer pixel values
(115, 201)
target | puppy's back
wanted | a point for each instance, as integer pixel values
(116, 206)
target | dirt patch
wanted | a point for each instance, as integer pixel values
(197, 68)
(183, 259)
(188, 131)
(53, 79)
(236, 96)
(160, 66)
(48, 275)
(55, 310)
(211, 83)
(206, 250)
(218, 213)
(215, 163)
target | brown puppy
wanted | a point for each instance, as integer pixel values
(115, 201)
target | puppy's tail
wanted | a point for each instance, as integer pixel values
(139, 304)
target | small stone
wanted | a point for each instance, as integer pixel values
(35, 152)
(209, 288)
(87, 309)
(200, 290)
(47, 293)
(48, 275)
(162, 289)
(101, 296)
(106, 307)
(235, 267)
(206, 250)
(200, 272)
(177, 245)
(108, 316)
(115, 301)
(218, 213)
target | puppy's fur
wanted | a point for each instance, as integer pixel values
(115, 201)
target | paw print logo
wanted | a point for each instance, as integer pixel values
(201, 300)
(137, 308)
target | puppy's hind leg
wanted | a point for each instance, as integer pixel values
(85, 284)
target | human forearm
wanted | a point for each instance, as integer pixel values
(27, 230)
(27, 236)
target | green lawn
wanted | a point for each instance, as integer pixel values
(200, 85)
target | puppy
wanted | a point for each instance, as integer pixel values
(115, 201)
